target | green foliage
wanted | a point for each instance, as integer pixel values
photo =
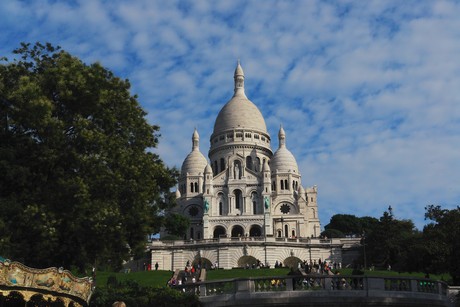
(243, 273)
(390, 242)
(145, 278)
(135, 294)
(443, 239)
(333, 233)
(80, 185)
(342, 225)
(176, 224)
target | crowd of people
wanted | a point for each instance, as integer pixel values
(191, 274)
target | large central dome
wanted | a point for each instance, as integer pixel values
(239, 112)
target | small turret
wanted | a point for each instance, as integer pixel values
(178, 193)
(208, 178)
(239, 80)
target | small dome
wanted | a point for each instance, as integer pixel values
(195, 163)
(283, 160)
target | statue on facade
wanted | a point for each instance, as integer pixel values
(206, 206)
(237, 171)
(267, 202)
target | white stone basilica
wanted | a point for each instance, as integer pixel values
(245, 190)
(244, 201)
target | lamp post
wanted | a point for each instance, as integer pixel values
(364, 249)
(265, 239)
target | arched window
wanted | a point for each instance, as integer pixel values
(237, 231)
(221, 202)
(215, 168)
(282, 184)
(255, 231)
(238, 200)
(249, 162)
(219, 232)
(293, 233)
(257, 166)
(286, 186)
(222, 164)
(279, 233)
(196, 186)
(254, 202)
(191, 187)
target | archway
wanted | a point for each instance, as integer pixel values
(292, 262)
(219, 232)
(255, 231)
(247, 261)
(202, 262)
(237, 231)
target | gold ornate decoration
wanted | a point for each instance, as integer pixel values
(52, 283)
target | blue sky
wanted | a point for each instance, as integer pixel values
(368, 92)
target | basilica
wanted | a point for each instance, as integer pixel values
(245, 201)
(244, 189)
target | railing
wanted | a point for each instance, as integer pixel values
(268, 239)
(357, 285)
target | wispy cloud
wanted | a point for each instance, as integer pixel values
(367, 91)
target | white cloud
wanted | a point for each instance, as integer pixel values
(367, 91)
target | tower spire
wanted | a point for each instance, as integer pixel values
(239, 79)
(195, 140)
(282, 137)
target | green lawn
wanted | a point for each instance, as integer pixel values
(160, 278)
(242, 273)
(145, 278)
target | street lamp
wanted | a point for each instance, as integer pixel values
(364, 248)
(265, 239)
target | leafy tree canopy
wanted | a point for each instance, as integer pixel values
(442, 237)
(350, 225)
(176, 224)
(79, 185)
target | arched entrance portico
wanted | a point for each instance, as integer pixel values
(247, 261)
(237, 231)
(292, 262)
(202, 262)
(219, 232)
(255, 231)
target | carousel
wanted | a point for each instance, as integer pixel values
(24, 286)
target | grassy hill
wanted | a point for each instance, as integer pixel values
(160, 278)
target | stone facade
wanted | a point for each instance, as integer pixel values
(245, 191)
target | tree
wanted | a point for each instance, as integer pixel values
(350, 225)
(176, 224)
(390, 242)
(80, 185)
(346, 223)
(442, 237)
